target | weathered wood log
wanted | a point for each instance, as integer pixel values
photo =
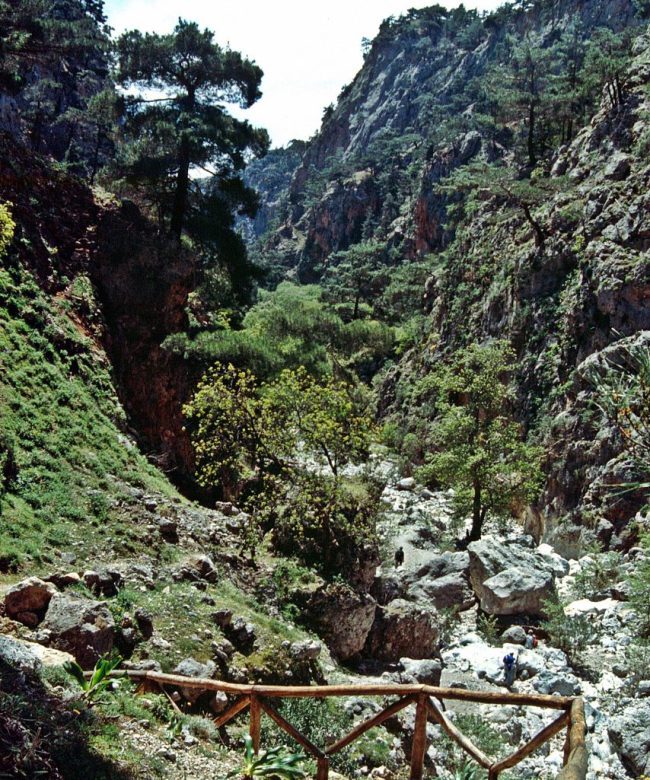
(321, 691)
(255, 723)
(232, 711)
(466, 744)
(323, 769)
(376, 720)
(419, 747)
(530, 747)
(174, 706)
(578, 761)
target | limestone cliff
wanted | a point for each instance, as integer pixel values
(562, 286)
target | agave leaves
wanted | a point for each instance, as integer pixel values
(99, 680)
(275, 762)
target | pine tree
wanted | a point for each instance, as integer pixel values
(184, 127)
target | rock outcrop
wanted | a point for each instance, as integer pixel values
(28, 600)
(341, 616)
(78, 626)
(401, 629)
(630, 734)
(510, 579)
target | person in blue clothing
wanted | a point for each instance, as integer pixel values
(509, 669)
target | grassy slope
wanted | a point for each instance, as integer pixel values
(76, 470)
(80, 483)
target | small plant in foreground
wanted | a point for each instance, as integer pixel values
(99, 681)
(467, 772)
(277, 763)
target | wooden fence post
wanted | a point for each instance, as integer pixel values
(419, 738)
(323, 769)
(256, 720)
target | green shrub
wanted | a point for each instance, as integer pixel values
(488, 627)
(7, 227)
(598, 575)
(569, 634)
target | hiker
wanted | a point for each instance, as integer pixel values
(399, 557)
(531, 640)
(509, 669)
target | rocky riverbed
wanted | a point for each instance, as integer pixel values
(499, 588)
(441, 616)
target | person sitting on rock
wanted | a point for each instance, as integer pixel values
(399, 557)
(509, 669)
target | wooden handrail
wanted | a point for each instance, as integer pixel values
(576, 758)
(322, 691)
(254, 697)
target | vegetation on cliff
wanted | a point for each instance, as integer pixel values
(461, 254)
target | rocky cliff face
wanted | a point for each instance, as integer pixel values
(55, 65)
(391, 119)
(374, 173)
(141, 291)
(143, 288)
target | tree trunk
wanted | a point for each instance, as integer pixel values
(537, 228)
(477, 514)
(531, 133)
(179, 206)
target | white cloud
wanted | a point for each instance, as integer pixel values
(307, 50)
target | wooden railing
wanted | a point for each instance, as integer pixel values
(257, 698)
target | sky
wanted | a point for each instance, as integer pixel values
(308, 50)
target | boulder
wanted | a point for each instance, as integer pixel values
(79, 626)
(514, 634)
(196, 568)
(443, 564)
(618, 167)
(144, 621)
(190, 667)
(387, 587)
(168, 529)
(307, 650)
(142, 665)
(629, 733)
(564, 684)
(426, 671)
(28, 600)
(450, 591)
(64, 580)
(529, 664)
(510, 578)
(103, 582)
(29, 656)
(218, 702)
(242, 634)
(361, 564)
(472, 655)
(341, 616)
(516, 591)
(403, 629)
(588, 607)
(222, 617)
(408, 483)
